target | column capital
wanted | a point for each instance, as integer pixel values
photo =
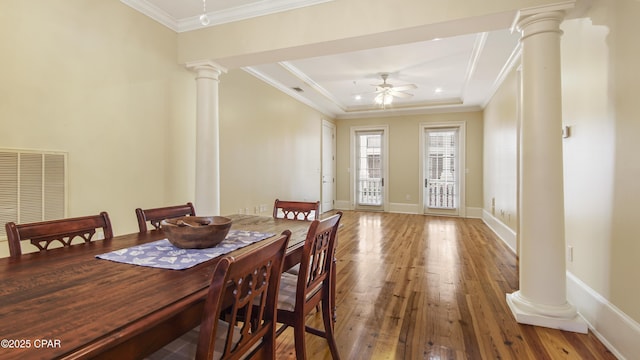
(554, 12)
(206, 68)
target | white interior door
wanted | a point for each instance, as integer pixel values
(328, 166)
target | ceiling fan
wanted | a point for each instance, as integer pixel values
(386, 92)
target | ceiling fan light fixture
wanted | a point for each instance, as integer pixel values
(204, 19)
(384, 99)
(386, 93)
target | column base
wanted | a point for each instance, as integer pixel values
(561, 317)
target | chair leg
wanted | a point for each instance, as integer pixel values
(332, 296)
(298, 338)
(327, 318)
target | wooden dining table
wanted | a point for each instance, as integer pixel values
(67, 304)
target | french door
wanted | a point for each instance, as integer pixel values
(369, 165)
(442, 165)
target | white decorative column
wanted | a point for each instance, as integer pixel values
(207, 200)
(542, 298)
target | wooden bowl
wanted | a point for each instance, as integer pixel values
(196, 232)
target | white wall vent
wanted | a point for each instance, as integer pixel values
(33, 186)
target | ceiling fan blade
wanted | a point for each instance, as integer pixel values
(381, 87)
(405, 87)
(388, 88)
(401, 94)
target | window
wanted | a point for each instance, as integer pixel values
(32, 186)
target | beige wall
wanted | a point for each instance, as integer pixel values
(600, 88)
(109, 92)
(500, 154)
(99, 81)
(404, 157)
(269, 143)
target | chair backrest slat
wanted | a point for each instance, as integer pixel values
(296, 210)
(156, 215)
(64, 231)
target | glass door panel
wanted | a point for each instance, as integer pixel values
(441, 171)
(369, 170)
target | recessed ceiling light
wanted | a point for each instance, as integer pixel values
(438, 90)
(358, 97)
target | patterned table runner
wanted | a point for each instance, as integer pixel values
(162, 254)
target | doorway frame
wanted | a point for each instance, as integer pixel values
(462, 136)
(333, 165)
(385, 163)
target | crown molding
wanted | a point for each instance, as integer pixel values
(288, 91)
(241, 12)
(153, 12)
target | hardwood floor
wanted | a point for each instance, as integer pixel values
(421, 287)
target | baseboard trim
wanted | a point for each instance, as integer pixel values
(403, 208)
(617, 331)
(508, 236)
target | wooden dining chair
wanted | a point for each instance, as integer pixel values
(63, 231)
(300, 294)
(251, 278)
(296, 210)
(156, 215)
